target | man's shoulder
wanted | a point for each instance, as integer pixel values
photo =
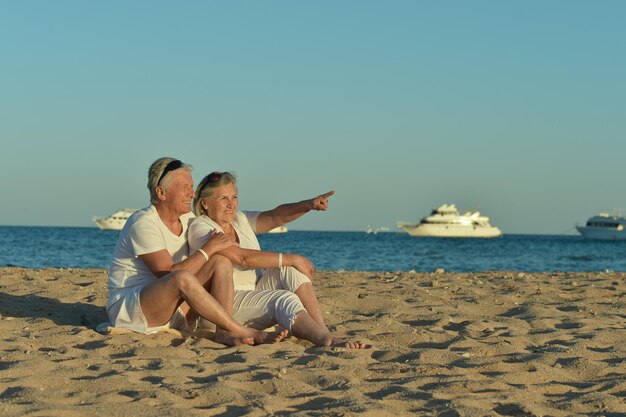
(143, 214)
(143, 217)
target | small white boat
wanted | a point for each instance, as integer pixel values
(445, 221)
(370, 230)
(279, 229)
(115, 221)
(604, 226)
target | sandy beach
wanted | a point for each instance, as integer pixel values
(446, 344)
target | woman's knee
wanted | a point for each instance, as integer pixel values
(287, 305)
(293, 279)
(287, 301)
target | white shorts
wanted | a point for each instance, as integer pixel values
(126, 313)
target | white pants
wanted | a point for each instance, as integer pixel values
(273, 301)
(286, 278)
(262, 309)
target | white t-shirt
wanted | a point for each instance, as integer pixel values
(144, 232)
(245, 225)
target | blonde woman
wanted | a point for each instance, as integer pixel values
(270, 287)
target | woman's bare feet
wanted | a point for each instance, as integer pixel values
(248, 336)
(332, 341)
(227, 338)
(305, 327)
(261, 337)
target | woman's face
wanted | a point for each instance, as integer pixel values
(222, 205)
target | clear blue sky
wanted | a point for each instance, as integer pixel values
(515, 108)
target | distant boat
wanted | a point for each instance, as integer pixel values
(371, 230)
(279, 229)
(604, 226)
(115, 221)
(445, 221)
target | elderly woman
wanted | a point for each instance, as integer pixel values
(270, 287)
(153, 281)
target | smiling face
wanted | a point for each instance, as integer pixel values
(222, 205)
(179, 191)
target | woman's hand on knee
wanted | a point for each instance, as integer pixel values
(302, 264)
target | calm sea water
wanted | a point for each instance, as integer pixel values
(69, 247)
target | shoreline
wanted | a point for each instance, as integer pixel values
(483, 343)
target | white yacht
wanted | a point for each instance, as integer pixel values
(445, 221)
(279, 229)
(115, 221)
(604, 226)
(370, 230)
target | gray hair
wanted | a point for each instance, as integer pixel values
(156, 171)
(208, 185)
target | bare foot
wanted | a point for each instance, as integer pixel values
(282, 334)
(332, 341)
(229, 339)
(261, 337)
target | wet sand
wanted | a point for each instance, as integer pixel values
(447, 344)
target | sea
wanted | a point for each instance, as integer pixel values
(75, 247)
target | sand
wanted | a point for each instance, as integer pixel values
(444, 344)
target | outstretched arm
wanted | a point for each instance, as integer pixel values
(201, 232)
(289, 212)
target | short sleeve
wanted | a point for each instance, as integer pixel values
(252, 217)
(145, 237)
(198, 234)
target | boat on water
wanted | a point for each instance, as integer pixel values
(446, 221)
(604, 226)
(115, 221)
(279, 229)
(373, 231)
